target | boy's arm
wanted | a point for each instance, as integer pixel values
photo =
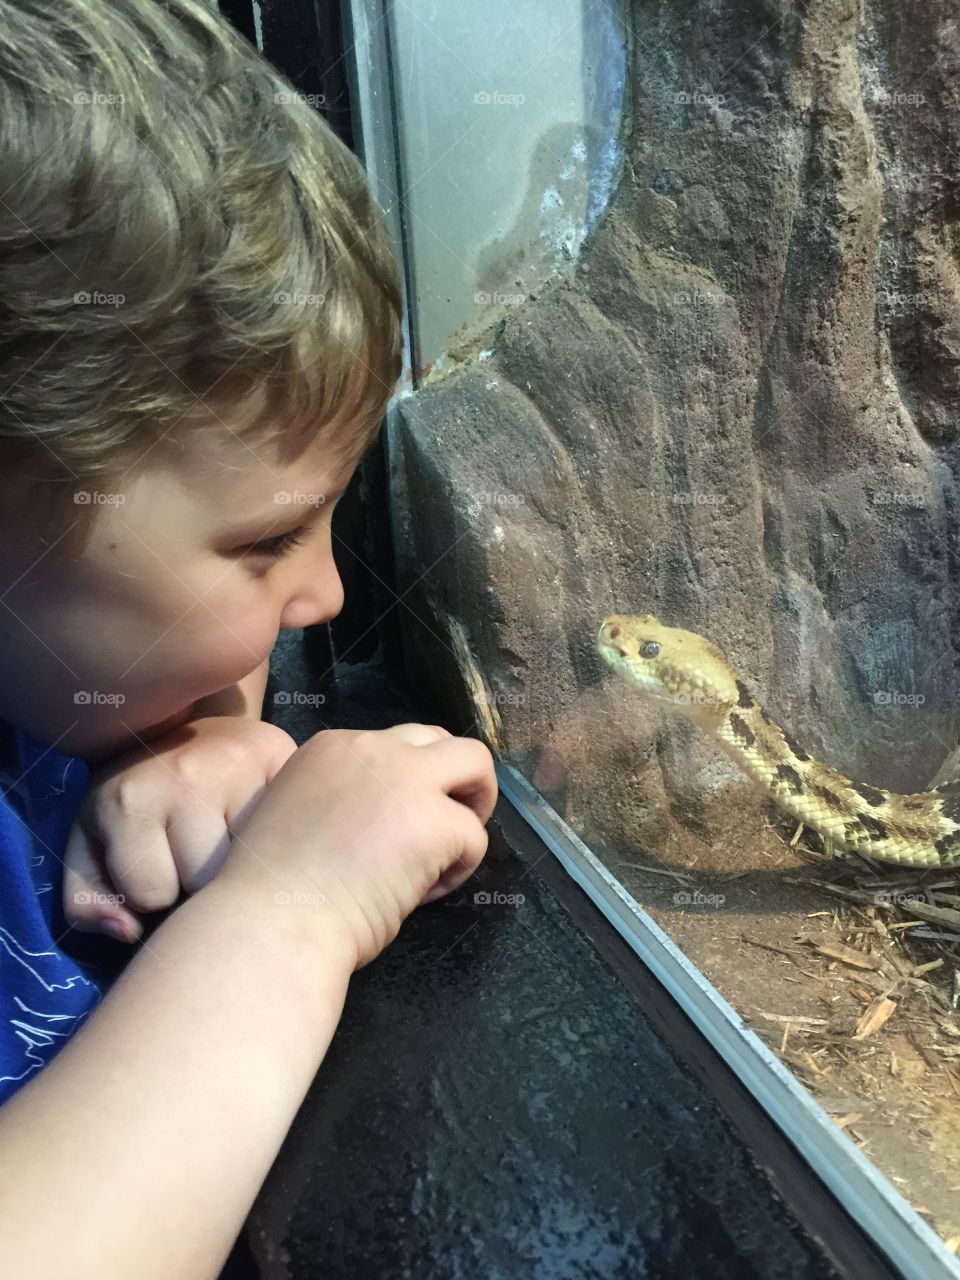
(139, 1150)
(245, 698)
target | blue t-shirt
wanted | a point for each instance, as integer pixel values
(45, 992)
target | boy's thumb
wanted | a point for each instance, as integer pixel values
(90, 901)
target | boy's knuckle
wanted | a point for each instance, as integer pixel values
(323, 743)
(367, 745)
(281, 743)
(125, 794)
(190, 771)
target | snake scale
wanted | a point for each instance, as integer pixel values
(688, 675)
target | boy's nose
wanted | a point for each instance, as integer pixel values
(317, 603)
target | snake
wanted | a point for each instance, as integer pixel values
(686, 674)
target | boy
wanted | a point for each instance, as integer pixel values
(199, 333)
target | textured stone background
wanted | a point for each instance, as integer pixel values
(741, 416)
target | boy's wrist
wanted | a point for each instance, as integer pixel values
(297, 932)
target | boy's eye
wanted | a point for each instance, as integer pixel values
(274, 548)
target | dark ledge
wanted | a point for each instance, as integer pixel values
(510, 1094)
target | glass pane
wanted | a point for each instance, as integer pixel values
(508, 150)
(721, 406)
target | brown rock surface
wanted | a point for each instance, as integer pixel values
(740, 415)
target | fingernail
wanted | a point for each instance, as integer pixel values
(116, 929)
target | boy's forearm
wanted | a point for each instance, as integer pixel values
(140, 1148)
(245, 698)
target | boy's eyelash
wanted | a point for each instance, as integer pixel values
(276, 547)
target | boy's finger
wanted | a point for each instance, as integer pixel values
(468, 772)
(199, 841)
(90, 902)
(455, 875)
(132, 854)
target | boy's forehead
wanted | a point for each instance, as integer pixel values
(221, 464)
(250, 470)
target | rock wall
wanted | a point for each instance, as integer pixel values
(740, 416)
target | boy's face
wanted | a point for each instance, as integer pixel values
(168, 603)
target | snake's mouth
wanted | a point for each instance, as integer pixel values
(619, 651)
(613, 650)
(611, 643)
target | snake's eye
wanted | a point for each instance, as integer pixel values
(649, 649)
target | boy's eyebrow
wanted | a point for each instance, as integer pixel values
(285, 515)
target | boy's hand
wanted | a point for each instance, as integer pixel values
(358, 829)
(159, 820)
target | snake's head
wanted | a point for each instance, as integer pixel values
(678, 669)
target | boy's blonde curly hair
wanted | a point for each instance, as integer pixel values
(179, 233)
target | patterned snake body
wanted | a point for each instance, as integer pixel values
(686, 674)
